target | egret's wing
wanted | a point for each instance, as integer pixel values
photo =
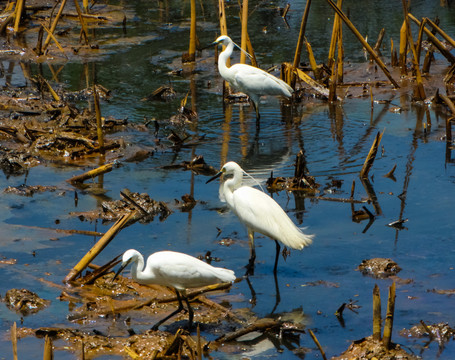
(260, 213)
(184, 271)
(253, 80)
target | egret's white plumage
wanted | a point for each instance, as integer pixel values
(249, 79)
(259, 212)
(174, 269)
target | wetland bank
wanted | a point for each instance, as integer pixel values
(166, 129)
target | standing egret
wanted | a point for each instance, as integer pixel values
(177, 270)
(259, 213)
(249, 79)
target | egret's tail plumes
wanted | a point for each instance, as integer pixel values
(225, 275)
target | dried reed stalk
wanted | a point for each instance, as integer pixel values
(84, 32)
(298, 49)
(313, 64)
(91, 174)
(334, 39)
(48, 350)
(420, 91)
(388, 324)
(243, 41)
(436, 42)
(403, 48)
(376, 314)
(54, 25)
(371, 156)
(98, 247)
(18, 14)
(14, 340)
(364, 43)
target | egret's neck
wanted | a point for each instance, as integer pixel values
(137, 269)
(223, 59)
(230, 186)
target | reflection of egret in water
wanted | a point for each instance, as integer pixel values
(259, 343)
(259, 213)
(177, 270)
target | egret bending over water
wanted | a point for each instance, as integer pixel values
(177, 270)
(259, 213)
(249, 79)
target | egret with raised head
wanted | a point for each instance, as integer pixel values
(259, 213)
(177, 270)
(249, 79)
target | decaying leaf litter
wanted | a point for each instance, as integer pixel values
(41, 125)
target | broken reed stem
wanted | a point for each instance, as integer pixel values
(91, 174)
(298, 49)
(54, 24)
(377, 46)
(18, 14)
(388, 324)
(435, 41)
(371, 156)
(84, 32)
(14, 340)
(313, 64)
(49, 34)
(317, 344)
(376, 313)
(192, 46)
(98, 247)
(48, 350)
(243, 41)
(364, 43)
(440, 31)
(403, 48)
(199, 346)
(420, 92)
(334, 39)
(340, 55)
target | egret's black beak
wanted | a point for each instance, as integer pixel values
(209, 45)
(121, 269)
(214, 177)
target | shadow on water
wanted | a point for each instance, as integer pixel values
(405, 216)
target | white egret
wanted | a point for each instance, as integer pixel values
(259, 213)
(249, 79)
(177, 270)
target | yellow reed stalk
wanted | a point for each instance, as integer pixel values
(192, 46)
(313, 63)
(388, 324)
(54, 25)
(84, 32)
(18, 14)
(376, 313)
(299, 46)
(334, 39)
(98, 247)
(243, 43)
(403, 48)
(420, 91)
(367, 46)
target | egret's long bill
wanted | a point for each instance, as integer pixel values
(214, 177)
(122, 268)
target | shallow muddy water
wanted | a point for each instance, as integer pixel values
(313, 283)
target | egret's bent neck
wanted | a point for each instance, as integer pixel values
(223, 59)
(137, 269)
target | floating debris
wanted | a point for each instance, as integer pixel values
(379, 267)
(24, 301)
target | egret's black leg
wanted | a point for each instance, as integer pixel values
(250, 266)
(253, 293)
(180, 308)
(190, 312)
(277, 255)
